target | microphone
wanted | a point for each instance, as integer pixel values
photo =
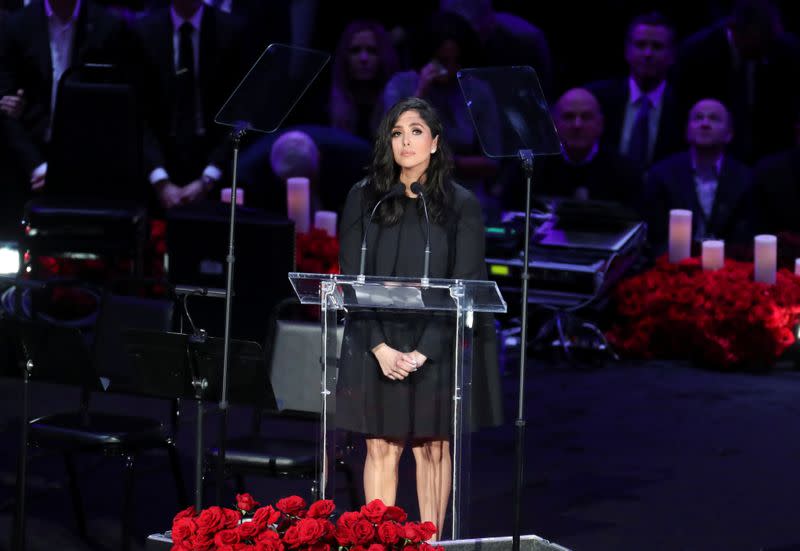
(416, 188)
(396, 191)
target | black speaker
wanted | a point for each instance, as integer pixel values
(197, 247)
(526, 543)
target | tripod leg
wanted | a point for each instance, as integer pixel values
(562, 336)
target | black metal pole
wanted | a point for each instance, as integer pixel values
(223, 402)
(526, 156)
(22, 466)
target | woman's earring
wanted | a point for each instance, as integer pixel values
(433, 151)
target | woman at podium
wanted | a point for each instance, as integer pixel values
(395, 371)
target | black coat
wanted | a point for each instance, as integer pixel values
(100, 37)
(457, 248)
(670, 185)
(613, 96)
(219, 70)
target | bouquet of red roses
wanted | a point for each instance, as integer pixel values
(292, 525)
(721, 317)
(317, 252)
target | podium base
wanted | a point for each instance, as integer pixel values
(160, 542)
(526, 543)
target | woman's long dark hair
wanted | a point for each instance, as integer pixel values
(384, 172)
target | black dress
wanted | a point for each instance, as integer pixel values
(420, 405)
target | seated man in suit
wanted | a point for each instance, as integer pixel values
(640, 110)
(38, 45)
(776, 185)
(585, 169)
(705, 180)
(191, 66)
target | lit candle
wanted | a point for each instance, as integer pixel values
(225, 195)
(766, 257)
(713, 254)
(325, 220)
(297, 203)
(797, 266)
(680, 234)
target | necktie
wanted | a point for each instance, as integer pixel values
(185, 99)
(639, 145)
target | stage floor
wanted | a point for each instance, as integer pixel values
(656, 456)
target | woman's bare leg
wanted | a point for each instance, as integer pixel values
(380, 470)
(434, 468)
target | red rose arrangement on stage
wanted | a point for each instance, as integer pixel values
(317, 252)
(290, 524)
(722, 318)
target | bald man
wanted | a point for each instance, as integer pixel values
(706, 179)
(584, 170)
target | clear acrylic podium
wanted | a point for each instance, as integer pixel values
(464, 298)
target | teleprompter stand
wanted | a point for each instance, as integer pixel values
(511, 118)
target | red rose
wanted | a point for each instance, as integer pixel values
(389, 532)
(292, 537)
(248, 530)
(246, 502)
(200, 542)
(349, 519)
(319, 546)
(427, 529)
(292, 505)
(264, 516)
(232, 518)
(373, 511)
(425, 546)
(321, 509)
(183, 529)
(377, 547)
(363, 532)
(226, 537)
(189, 512)
(413, 533)
(211, 520)
(344, 536)
(310, 530)
(395, 513)
(269, 545)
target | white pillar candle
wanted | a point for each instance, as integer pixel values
(765, 258)
(298, 203)
(325, 220)
(797, 266)
(713, 254)
(680, 234)
(225, 195)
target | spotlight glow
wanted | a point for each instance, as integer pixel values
(9, 260)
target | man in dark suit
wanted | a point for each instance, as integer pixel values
(776, 184)
(705, 180)
(640, 110)
(38, 44)
(585, 169)
(748, 63)
(191, 66)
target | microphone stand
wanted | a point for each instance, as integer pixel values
(416, 187)
(236, 136)
(526, 156)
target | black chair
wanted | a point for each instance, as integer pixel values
(293, 351)
(100, 368)
(95, 198)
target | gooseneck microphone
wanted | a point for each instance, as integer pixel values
(396, 191)
(416, 188)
